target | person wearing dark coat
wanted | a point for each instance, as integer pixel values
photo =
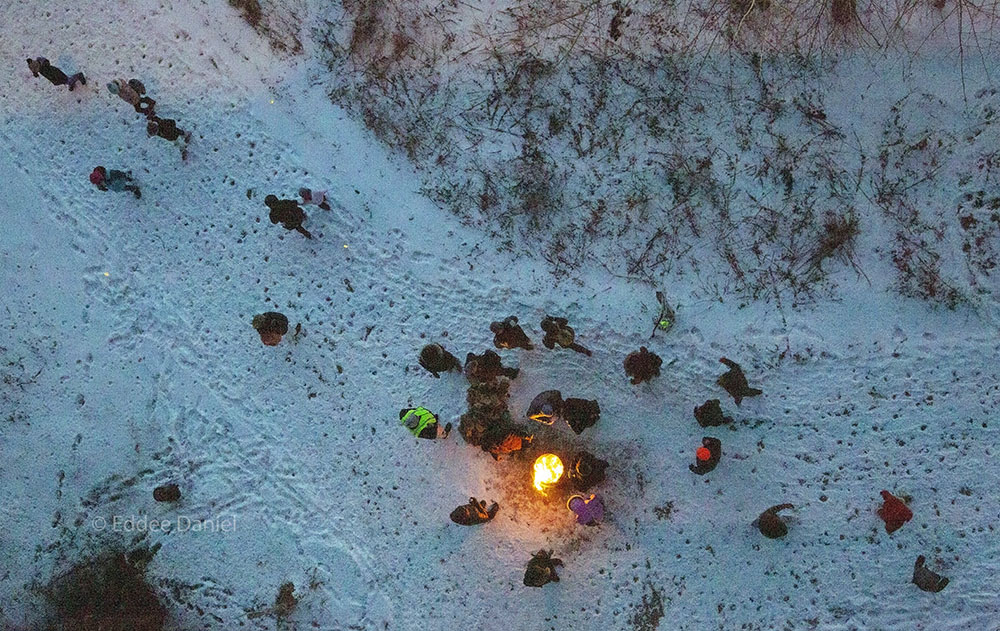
(271, 326)
(580, 414)
(288, 213)
(167, 493)
(508, 334)
(487, 367)
(167, 129)
(546, 407)
(926, 579)
(707, 456)
(558, 331)
(436, 359)
(541, 569)
(473, 513)
(770, 524)
(586, 470)
(735, 382)
(41, 66)
(709, 414)
(642, 365)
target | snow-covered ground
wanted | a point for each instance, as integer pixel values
(129, 362)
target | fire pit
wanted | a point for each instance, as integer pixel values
(548, 470)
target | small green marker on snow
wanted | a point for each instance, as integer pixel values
(664, 324)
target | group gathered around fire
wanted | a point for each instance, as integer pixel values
(488, 424)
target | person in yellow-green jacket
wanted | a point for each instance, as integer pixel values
(422, 423)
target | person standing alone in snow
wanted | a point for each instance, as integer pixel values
(271, 326)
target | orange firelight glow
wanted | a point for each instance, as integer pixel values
(548, 470)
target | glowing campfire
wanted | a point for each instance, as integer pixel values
(548, 470)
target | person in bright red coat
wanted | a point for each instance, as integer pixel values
(894, 512)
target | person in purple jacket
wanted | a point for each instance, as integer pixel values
(589, 510)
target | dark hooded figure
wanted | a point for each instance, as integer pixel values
(475, 512)
(41, 66)
(436, 359)
(167, 493)
(709, 414)
(707, 456)
(586, 470)
(926, 579)
(271, 326)
(642, 365)
(508, 334)
(735, 382)
(546, 407)
(541, 569)
(288, 213)
(770, 524)
(580, 413)
(167, 129)
(486, 367)
(558, 331)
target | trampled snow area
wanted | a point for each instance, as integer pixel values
(129, 362)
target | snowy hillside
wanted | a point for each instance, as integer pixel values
(129, 361)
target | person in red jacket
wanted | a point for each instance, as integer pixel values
(893, 512)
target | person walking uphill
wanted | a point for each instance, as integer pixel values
(422, 423)
(558, 331)
(41, 66)
(114, 180)
(508, 334)
(167, 129)
(133, 92)
(288, 213)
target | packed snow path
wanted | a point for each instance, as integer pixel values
(135, 313)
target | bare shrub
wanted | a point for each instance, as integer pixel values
(844, 12)
(277, 20)
(107, 593)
